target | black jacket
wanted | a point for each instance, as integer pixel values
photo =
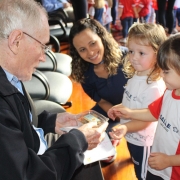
(19, 142)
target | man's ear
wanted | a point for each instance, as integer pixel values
(14, 40)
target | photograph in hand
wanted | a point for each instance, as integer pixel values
(92, 116)
(86, 117)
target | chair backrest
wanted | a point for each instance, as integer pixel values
(55, 43)
(60, 13)
(58, 18)
(38, 87)
(61, 32)
(50, 64)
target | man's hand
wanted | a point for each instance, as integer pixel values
(94, 135)
(118, 132)
(158, 161)
(65, 120)
(119, 111)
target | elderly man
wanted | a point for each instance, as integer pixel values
(24, 31)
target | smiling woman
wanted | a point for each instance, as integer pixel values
(97, 65)
(91, 50)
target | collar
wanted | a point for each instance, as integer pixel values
(6, 88)
(10, 76)
(14, 81)
(100, 62)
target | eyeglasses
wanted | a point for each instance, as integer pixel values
(44, 47)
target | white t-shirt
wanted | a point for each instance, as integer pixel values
(91, 11)
(137, 95)
(167, 136)
(107, 18)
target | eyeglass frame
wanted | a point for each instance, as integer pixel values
(45, 48)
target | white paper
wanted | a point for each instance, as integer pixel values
(103, 150)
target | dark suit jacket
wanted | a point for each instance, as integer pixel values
(19, 143)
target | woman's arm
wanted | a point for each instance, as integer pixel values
(105, 105)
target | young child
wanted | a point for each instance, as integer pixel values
(164, 161)
(144, 87)
(127, 11)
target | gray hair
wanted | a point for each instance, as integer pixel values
(20, 14)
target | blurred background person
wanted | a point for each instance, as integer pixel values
(166, 14)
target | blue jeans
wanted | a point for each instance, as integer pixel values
(178, 16)
(157, 18)
(145, 19)
(114, 12)
(165, 14)
(99, 14)
(126, 24)
(107, 26)
(175, 12)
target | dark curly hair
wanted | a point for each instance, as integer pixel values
(168, 55)
(112, 53)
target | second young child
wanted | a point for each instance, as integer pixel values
(144, 87)
(127, 11)
(164, 160)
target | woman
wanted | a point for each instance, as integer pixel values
(97, 65)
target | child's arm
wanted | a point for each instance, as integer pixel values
(133, 114)
(136, 11)
(161, 161)
(133, 126)
(120, 11)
